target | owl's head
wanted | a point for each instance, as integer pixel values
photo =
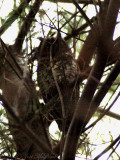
(56, 47)
(45, 46)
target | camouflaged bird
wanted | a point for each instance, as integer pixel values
(55, 55)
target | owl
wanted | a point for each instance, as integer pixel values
(57, 77)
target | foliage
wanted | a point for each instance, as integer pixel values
(63, 67)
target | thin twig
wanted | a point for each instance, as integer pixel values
(108, 148)
(104, 113)
(57, 85)
(83, 14)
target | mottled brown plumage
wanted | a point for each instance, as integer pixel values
(65, 73)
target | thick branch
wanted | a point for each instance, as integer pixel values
(14, 15)
(26, 25)
(91, 41)
(106, 39)
(87, 51)
(104, 89)
(113, 10)
(25, 128)
(105, 112)
(69, 1)
(17, 69)
(79, 120)
(81, 116)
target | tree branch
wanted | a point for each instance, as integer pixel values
(104, 89)
(14, 15)
(26, 26)
(26, 129)
(83, 14)
(69, 1)
(108, 148)
(88, 49)
(76, 32)
(80, 117)
(109, 113)
(105, 112)
(113, 10)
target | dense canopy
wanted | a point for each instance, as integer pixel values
(61, 67)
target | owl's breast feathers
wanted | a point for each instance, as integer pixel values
(63, 63)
